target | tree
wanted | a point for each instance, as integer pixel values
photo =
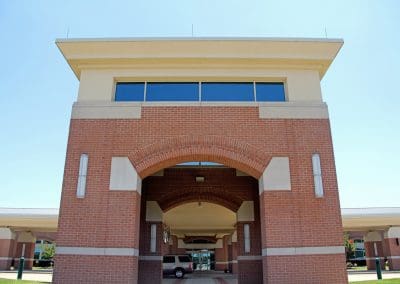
(48, 251)
(349, 246)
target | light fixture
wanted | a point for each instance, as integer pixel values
(200, 179)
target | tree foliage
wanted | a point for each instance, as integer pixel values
(48, 251)
(349, 246)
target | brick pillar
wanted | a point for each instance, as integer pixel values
(234, 253)
(373, 244)
(173, 246)
(392, 245)
(25, 246)
(99, 224)
(152, 245)
(221, 255)
(249, 261)
(249, 243)
(7, 247)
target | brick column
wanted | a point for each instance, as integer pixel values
(373, 244)
(173, 246)
(249, 243)
(234, 253)
(152, 245)
(7, 247)
(301, 228)
(392, 245)
(97, 237)
(221, 255)
(25, 247)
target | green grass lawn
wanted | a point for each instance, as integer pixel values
(383, 281)
(8, 281)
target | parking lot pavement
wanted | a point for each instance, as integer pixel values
(33, 275)
(203, 277)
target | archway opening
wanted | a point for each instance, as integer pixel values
(207, 210)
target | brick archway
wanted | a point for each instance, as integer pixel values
(169, 152)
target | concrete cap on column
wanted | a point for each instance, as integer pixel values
(392, 232)
(246, 212)
(153, 212)
(26, 237)
(373, 237)
(7, 234)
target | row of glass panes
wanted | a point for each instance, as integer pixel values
(204, 91)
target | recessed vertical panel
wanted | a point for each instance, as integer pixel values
(246, 229)
(81, 187)
(318, 187)
(153, 237)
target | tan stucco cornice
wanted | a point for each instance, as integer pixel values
(271, 53)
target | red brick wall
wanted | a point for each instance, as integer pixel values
(307, 269)
(250, 272)
(95, 269)
(150, 271)
(393, 249)
(370, 253)
(6, 250)
(221, 255)
(28, 254)
(165, 136)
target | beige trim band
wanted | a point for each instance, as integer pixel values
(133, 110)
(106, 110)
(98, 251)
(302, 251)
(5, 258)
(26, 259)
(151, 257)
(394, 257)
(249, 257)
(222, 262)
(375, 257)
(294, 110)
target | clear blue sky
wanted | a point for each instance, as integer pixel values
(37, 88)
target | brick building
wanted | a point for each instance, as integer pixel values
(220, 148)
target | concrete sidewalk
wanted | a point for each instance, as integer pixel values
(371, 275)
(196, 278)
(34, 275)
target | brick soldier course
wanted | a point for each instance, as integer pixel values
(111, 225)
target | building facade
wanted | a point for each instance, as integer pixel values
(218, 148)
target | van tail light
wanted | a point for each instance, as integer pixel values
(191, 265)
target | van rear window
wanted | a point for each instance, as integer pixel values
(169, 259)
(184, 258)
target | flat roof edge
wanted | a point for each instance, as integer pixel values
(144, 39)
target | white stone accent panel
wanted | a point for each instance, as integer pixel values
(124, 176)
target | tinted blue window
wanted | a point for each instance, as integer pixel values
(270, 92)
(172, 92)
(129, 92)
(227, 92)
